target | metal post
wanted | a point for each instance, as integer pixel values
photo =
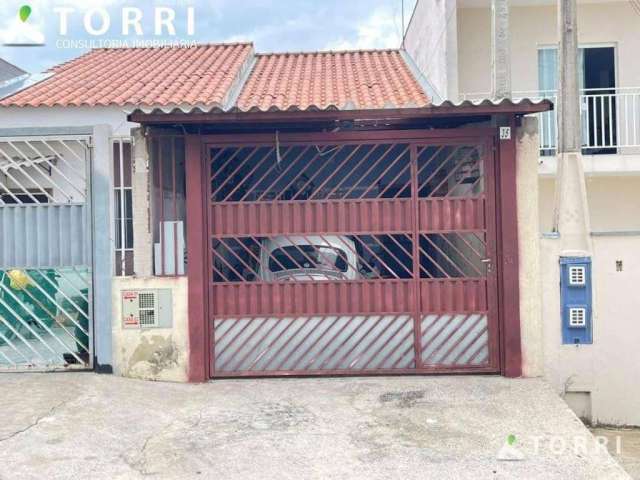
(102, 246)
(121, 193)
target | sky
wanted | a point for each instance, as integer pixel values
(273, 25)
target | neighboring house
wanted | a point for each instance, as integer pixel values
(9, 72)
(450, 42)
(282, 214)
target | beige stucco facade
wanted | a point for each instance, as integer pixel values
(534, 26)
(597, 380)
(528, 248)
(614, 203)
(151, 353)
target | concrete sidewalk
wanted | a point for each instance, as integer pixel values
(82, 425)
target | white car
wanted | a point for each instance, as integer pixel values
(298, 258)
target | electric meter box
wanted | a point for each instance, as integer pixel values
(147, 308)
(576, 300)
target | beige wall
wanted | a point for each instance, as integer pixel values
(617, 330)
(614, 203)
(529, 247)
(546, 191)
(151, 353)
(142, 238)
(532, 27)
(606, 372)
(474, 50)
(599, 380)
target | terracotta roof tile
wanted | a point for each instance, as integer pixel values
(208, 77)
(343, 80)
(204, 74)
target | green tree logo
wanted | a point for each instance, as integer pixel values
(25, 30)
(24, 13)
(511, 439)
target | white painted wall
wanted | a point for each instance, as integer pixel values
(432, 42)
(606, 371)
(22, 117)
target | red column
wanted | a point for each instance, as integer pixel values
(510, 284)
(196, 262)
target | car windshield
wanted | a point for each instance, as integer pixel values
(318, 257)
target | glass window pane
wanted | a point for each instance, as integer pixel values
(126, 160)
(129, 233)
(116, 165)
(128, 204)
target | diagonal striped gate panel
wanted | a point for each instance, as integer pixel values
(45, 256)
(348, 258)
(314, 344)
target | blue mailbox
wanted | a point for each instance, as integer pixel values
(576, 300)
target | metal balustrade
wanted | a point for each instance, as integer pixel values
(610, 119)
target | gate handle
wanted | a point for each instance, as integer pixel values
(489, 264)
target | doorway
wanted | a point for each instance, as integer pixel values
(599, 102)
(597, 84)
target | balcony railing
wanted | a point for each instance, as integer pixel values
(610, 119)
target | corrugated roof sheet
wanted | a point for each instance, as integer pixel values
(201, 75)
(9, 71)
(323, 80)
(502, 102)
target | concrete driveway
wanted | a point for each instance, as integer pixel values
(82, 425)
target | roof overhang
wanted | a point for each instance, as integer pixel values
(445, 109)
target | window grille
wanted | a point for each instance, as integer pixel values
(123, 208)
(577, 317)
(576, 275)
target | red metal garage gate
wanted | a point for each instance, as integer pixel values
(352, 253)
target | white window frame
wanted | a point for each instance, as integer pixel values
(120, 193)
